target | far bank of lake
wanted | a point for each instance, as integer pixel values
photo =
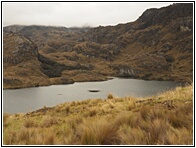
(30, 99)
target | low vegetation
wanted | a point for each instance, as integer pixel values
(154, 47)
(165, 119)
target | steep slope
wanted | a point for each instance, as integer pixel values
(21, 67)
(157, 46)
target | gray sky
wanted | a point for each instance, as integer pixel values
(74, 14)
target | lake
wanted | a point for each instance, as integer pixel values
(30, 99)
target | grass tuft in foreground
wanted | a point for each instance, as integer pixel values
(166, 119)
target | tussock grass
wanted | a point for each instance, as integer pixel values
(31, 136)
(110, 96)
(49, 121)
(92, 111)
(106, 133)
(67, 109)
(132, 136)
(28, 123)
(5, 116)
(166, 119)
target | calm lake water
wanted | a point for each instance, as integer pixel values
(30, 99)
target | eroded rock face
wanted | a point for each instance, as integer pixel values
(95, 50)
(11, 81)
(17, 49)
(21, 67)
(158, 45)
(125, 71)
(53, 69)
(165, 15)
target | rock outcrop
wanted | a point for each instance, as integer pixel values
(158, 46)
(21, 67)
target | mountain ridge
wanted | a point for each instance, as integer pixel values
(157, 46)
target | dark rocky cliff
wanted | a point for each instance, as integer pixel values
(158, 45)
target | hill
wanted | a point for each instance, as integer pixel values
(157, 46)
(21, 67)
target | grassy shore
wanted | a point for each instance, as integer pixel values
(165, 119)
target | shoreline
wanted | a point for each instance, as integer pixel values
(92, 116)
(82, 91)
(101, 80)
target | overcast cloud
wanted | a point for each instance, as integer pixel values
(74, 14)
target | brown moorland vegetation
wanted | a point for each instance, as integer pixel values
(157, 46)
(165, 119)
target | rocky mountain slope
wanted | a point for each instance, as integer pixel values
(158, 46)
(21, 67)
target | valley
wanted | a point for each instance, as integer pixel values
(157, 46)
(146, 100)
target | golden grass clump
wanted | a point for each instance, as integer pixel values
(167, 120)
(92, 111)
(5, 116)
(132, 136)
(67, 109)
(28, 123)
(49, 121)
(110, 96)
(31, 136)
(97, 133)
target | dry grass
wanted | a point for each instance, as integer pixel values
(29, 123)
(32, 137)
(106, 133)
(110, 96)
(166, 119)
(5, 116)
